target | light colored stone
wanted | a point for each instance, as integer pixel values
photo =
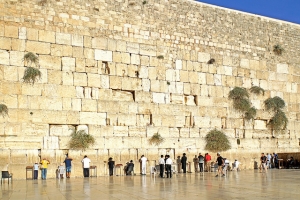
(93, 118)
(63, 38)
(103, 55)
(282, 68)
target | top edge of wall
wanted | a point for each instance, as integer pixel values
(246, 13)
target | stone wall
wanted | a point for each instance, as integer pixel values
(101, 73)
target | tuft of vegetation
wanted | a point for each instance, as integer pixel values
(211, 61)
(279, 120)
(31, 58)
(144, 2)
(278, 50)
(168, 83)
(80, 140)
(240, 97)
(257, 90)
(217, 141)
(160, 57)
(251, 113)
(156, 139)
(274, 104)
(238, 93)
(31, 75)
(3, 110)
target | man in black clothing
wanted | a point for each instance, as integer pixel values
(111, 165)
(263, 160)
(183, 163)
(220, 162)
(129, 169)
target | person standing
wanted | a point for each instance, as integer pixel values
(68, 163)
(144, 162)
(178, 164)
(196, 163)
(183, 162)
(44, 167)
(161, 163)
(36, 170)
(269, 159)
(207, 159)
(111, 165)
(220, 162)
(263, 163)
(169, 167)
(86, 166)
(276, 160)
(201, 162)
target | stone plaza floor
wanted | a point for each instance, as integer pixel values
(250, 184)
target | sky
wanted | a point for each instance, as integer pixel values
(287, 10)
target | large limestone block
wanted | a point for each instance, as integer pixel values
(245, 63)
(193, 77)
(159, 97)
(148, 50)
(5, 43)
(103, 55)
(133, 47)
(137, 131)
(33, 129)
(68, 64)
(260, 124)
(203, 57)
(126, 119)
(125, 96)
(63, 38)
(178, 64)
(4, 57)
(131, 84)
(51, 142)
(38, 47)
(77, 40)
(282, 68)
(142, 120)
(46, 36)
(204, 122)
(135, 59)
(80, 79)
(99, 43)
(120, 131)
(89, 105)
(61, 130)
(53, 62)
(104, 81)
(93, 118)
(11, 31)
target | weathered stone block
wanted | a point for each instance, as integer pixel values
(93, 118)
(203, 57)
(68, 64)
(103, 55)
(80, 79)
(63, 38)
(46, 36)
(38, 47)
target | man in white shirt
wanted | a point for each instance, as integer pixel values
(269, 158)
(86, 166)
(144, 162)
(161, 163)
(169, 167)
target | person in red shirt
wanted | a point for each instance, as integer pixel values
(207, 160)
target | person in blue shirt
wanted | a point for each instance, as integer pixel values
(68, 163)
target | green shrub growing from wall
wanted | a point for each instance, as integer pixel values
(217, 141)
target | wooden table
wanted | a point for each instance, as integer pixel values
(29, 169)
(280, 164)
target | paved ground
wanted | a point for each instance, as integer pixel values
(276, 184)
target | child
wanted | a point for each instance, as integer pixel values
(236, 165)
(35, 170)
(61, 170)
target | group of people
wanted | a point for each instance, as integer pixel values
(63, 169)
(268, 161)
(165, 164)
